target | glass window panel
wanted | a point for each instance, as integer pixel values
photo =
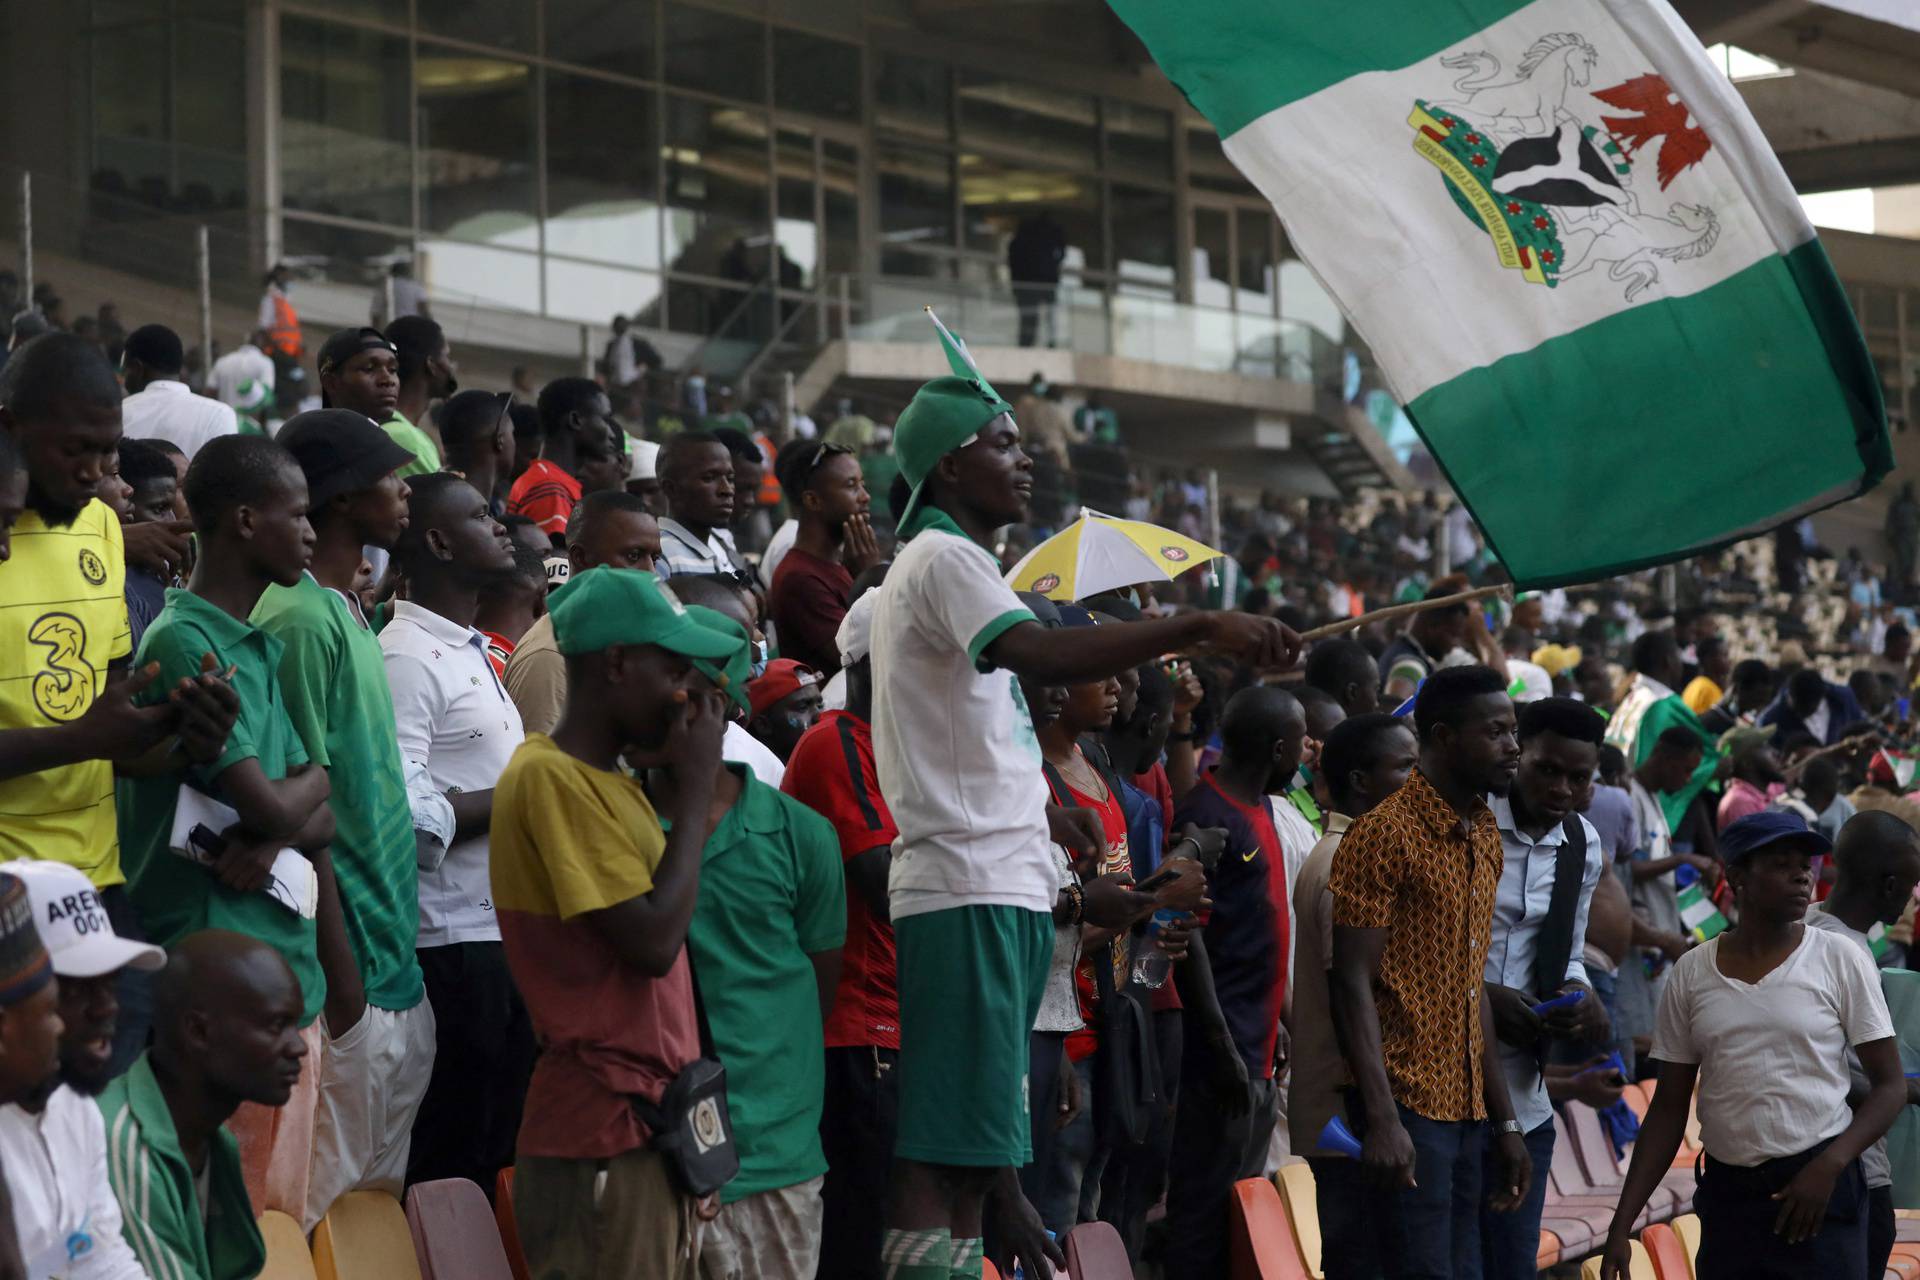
(594, 294)
(1208, 167)
(609, 35)
(132, 158)
(916, 207)
(1881, 309)
(913, 96)
(1045, 127)
(1212, 258)
(796, 228)
(477, 147)
(1139, 141)
(998, 200)
(1258, 274)
(210, 115)
(716, 175)
(1143, 236)
(343, 122)
(717, 53)
(840, 201)
(345, 260)
(506, 23)
(602, 186)
(460, 274)
(816, 75)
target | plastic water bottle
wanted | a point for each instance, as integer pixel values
(1151, 966)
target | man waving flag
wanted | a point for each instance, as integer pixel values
(1571, 250)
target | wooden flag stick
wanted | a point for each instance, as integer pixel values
(1404, 610)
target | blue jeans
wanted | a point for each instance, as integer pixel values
(1349, 1244)
(1076, 1149)
(1510, 1242)
(1432, 1230)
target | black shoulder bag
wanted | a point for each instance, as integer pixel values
(691, 1126)
(1126, 1068)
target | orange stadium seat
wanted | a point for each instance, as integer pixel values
(1263, 1245)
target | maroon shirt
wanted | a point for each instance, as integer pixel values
(809, 599)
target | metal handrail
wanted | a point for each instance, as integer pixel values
(697, 357)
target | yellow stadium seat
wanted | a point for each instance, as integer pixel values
(1295, 1182)
(1687, 1227)
(287, 1256)
(1641, 1268)
(364, 1235)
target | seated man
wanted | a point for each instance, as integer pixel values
(53, 1146)
(226, 1030)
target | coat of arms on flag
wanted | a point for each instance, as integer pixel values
(1532, 159)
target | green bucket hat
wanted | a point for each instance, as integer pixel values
(944, 415)
(731, 673)
(605, 606)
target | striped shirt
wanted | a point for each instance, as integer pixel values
(63, 618)
(546, 495)
(162, 1218)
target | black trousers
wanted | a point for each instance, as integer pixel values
(1135, 1175)
(482, 1060)
(1737, 1213)
(132, 990)
(1881, 1229)
(858, 1120)
(1211, 1151)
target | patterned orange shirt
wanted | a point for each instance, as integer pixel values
(1410, 867)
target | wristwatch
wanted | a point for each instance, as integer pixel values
(1503, 1127)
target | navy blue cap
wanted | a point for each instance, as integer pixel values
(1769, 827)
(1074, 615)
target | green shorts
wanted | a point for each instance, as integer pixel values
(970, 981)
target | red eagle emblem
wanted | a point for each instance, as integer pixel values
(1661, 114)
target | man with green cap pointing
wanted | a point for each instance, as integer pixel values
(972, 889)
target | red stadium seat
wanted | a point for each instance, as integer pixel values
(509, 1229)
(1262, 1241)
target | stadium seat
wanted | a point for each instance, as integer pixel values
(1297, 1192)
(287, 1256)
(1902, 1266)
(454, 1233)
(988, 1271)
(1670, 1257)
(1549, 1253)
(1262, 1242)
(509, 1228)
(1641, 1268)
(1096, 1252)
(365, 1234)
(1687, 1227)
(1638, 1098)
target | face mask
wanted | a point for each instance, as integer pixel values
(759, 665)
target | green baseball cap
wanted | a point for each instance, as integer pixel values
(729, 676)
(605, 606)
(944, 415)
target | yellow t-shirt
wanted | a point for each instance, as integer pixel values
(63, 618)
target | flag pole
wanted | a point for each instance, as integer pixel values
(1391, 612)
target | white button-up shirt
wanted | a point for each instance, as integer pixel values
(170, 411)
(458, 728)
(245, 363)
(64, 1212)
(1520, 908)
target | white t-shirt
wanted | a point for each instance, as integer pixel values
(56, 1171)
(737, 746)
(453, 717)
(777, 548)
(1772, 1054)
(170, 411)
(245, 363)
(955, 747)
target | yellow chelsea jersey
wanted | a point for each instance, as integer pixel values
(63, 618)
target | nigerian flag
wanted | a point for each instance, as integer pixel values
(1570, 249)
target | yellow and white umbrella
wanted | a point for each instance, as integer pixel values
(1099, 553)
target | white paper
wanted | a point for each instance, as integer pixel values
(291, 882)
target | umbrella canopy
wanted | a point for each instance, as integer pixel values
(1099, 553)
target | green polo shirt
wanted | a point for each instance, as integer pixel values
(426, 456)
(335, 684)
(771, 894)
(159, 1208)
(174, 895)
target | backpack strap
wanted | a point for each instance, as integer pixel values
(1555, 946)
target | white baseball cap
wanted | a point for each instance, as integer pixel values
(855, 637)
(640, 459)
(73, 923)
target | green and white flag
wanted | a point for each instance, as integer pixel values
(1697, 912)
(1572, 253)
